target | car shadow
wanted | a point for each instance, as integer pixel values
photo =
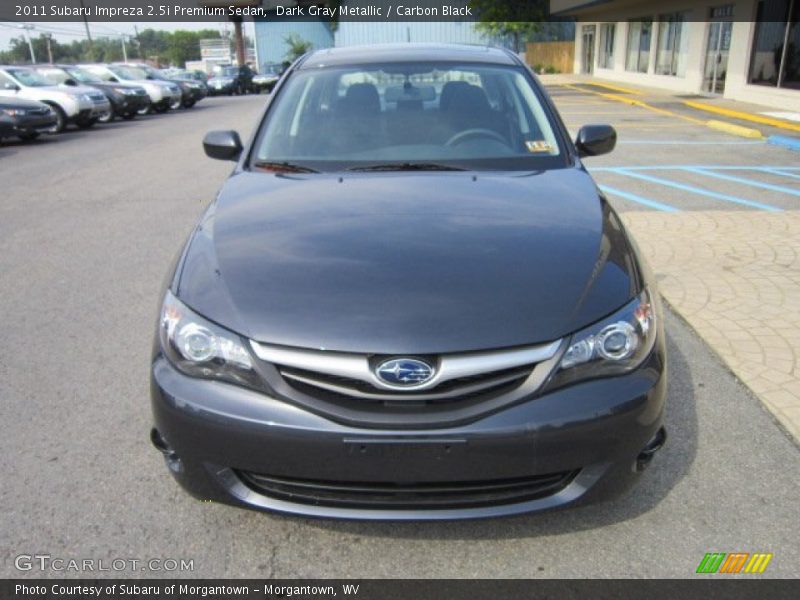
(669, 467)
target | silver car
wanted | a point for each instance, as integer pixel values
(80, 105)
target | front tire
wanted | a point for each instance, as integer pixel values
(146, 110)
(161, 108)
(61, 120)
(129, 116)
(107, 118)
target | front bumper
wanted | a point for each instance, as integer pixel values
(241, 447)
(32, 124)
(128, 104)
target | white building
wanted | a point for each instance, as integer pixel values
(747, 50)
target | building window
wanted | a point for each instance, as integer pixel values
(775, 56)
(673, 44)
(639, 35)
(607, 36)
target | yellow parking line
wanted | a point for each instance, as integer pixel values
(616, 88)
(743, 116)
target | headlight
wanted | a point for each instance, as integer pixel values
(200, 348)
(616, 345)
(85, 98)
(14, 112)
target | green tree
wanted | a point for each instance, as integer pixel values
(517, 19)
(297, 46)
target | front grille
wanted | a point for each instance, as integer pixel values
(337, 388)
(413, 496)
(39, 112)
(141, 92)
(97, 98)
(344, 386)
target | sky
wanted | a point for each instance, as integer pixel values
(66, 32)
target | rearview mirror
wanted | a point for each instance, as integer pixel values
(594, 140)
(223, 145)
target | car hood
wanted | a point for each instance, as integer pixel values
(406, 263)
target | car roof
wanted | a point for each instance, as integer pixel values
(388, 53)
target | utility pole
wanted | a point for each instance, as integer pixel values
(49, 38)
(86, 23)
(124, 49)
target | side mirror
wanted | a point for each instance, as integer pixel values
(113, 79)
(70, 82)
(223, 145)
(12, 87)
(594, 140)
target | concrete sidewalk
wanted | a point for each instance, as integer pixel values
(705, 109)
(735, 277)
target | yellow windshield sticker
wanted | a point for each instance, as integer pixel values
(538, 146)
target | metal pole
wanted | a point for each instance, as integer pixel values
(124, 50)
(25, 29)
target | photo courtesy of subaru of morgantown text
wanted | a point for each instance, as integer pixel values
(409, 300)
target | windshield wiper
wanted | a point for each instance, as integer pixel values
(407, 166)
(283, 167)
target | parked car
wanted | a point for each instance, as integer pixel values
(24, 119)
(126, 99)
(409, 301)
(192, 91)
(266, 80)
(232, 80)
(163, 94)
(80, 105)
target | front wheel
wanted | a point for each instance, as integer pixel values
(176, 104)
(61, 120)
(128, 116)
(145, 110)
(107, 117)
(161, 108)
(188, 103)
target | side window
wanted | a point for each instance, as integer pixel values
(6, 82)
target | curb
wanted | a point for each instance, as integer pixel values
(735, 114)
(734, 129)
(786, 142)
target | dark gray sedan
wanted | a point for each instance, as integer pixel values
(409, 301)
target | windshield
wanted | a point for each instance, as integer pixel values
(82, 76)
(128, 73)
(30, 78)
(474, 116)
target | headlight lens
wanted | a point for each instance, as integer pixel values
(14, 112)
(124, 91)
(613, 346)
(200, 348)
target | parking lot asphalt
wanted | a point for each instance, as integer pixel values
(88, 225)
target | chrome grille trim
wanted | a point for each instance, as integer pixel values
(451, 366)
(454, 393)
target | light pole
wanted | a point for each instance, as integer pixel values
(25, 29)
(124, 49)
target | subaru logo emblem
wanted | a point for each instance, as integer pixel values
(404, 372)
